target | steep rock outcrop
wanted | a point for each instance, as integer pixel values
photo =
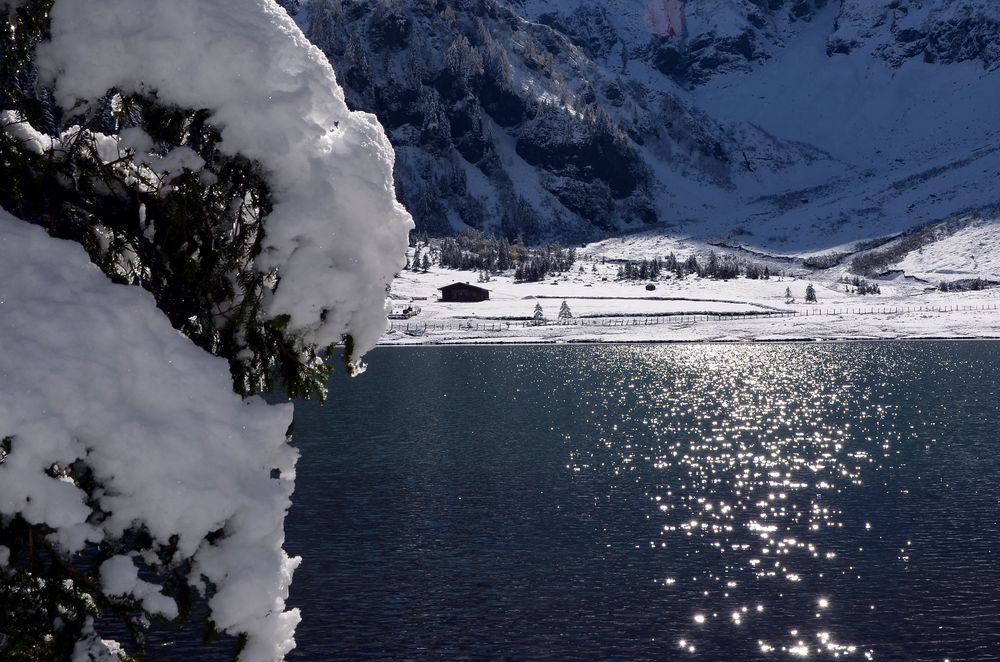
(569, 119)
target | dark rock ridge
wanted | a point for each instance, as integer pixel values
(570, 119)
(946, 32)
(494, 127)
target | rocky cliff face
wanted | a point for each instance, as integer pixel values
(496, 120)
(943, 32)
(692, 41)
(568, 119)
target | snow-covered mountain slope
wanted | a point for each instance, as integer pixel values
(971, 252)
(793, 126)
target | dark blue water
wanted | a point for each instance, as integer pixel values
(704, 502)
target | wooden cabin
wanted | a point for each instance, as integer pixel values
(463, 292)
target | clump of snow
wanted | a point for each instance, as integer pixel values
(336, 234)
(119, 576)
(108, 148)
(91, 648)
(94, 373)
(18, 128)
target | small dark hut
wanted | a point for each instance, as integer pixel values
(463, 292)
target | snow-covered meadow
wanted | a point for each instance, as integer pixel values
(606, 309)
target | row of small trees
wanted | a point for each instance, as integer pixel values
(475, 251)
(420, 262)
(860, 285)
(966, 285)
(538, 316)
(537, 265)
(715, 267)
(810, 294)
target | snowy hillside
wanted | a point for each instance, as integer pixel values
(785, 126)
(972, 252)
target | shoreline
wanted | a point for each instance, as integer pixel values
(602, 309)
(752, 341)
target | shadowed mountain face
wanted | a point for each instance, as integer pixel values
(784, 123)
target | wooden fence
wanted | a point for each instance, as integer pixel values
(498, 326)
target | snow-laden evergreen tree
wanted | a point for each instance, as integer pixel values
(713, 264)
(788, 295)
(218, 200)
(810, 293)
(564, 311)
(538, 317)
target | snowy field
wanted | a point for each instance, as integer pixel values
(605, 309)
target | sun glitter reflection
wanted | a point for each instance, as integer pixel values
(744, 457)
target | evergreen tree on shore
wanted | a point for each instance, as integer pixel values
(564, 311)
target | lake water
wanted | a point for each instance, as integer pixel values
(703, 502)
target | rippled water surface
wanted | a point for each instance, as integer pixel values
(712, 502)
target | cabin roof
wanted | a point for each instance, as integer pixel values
(464, 286)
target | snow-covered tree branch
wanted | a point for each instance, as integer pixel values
(203, 152)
